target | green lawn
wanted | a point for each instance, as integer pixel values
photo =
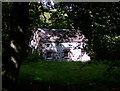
(64, 76)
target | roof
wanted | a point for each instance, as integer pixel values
(45, 29)
(61, 35)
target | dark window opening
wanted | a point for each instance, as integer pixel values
(60, 44)
(75, 48)
(49, 55)
(70, 45)
(47, 45)
(66, 54)
(82, 52)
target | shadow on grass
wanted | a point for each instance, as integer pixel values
(52, 86)
(64, 76)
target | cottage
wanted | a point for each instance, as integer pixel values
(58, 44)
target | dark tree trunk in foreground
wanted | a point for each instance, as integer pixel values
(14, 42)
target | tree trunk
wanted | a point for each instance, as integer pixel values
(14, 47)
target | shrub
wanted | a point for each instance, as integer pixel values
(33, 58)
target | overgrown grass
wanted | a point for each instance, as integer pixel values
(68, 74)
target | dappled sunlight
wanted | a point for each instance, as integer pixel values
(57, 46)
(14, 61)
(52, 44)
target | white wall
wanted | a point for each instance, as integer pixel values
(74, 54)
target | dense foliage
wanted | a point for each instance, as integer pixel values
(99, 22)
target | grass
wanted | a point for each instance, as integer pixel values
(65, 76)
